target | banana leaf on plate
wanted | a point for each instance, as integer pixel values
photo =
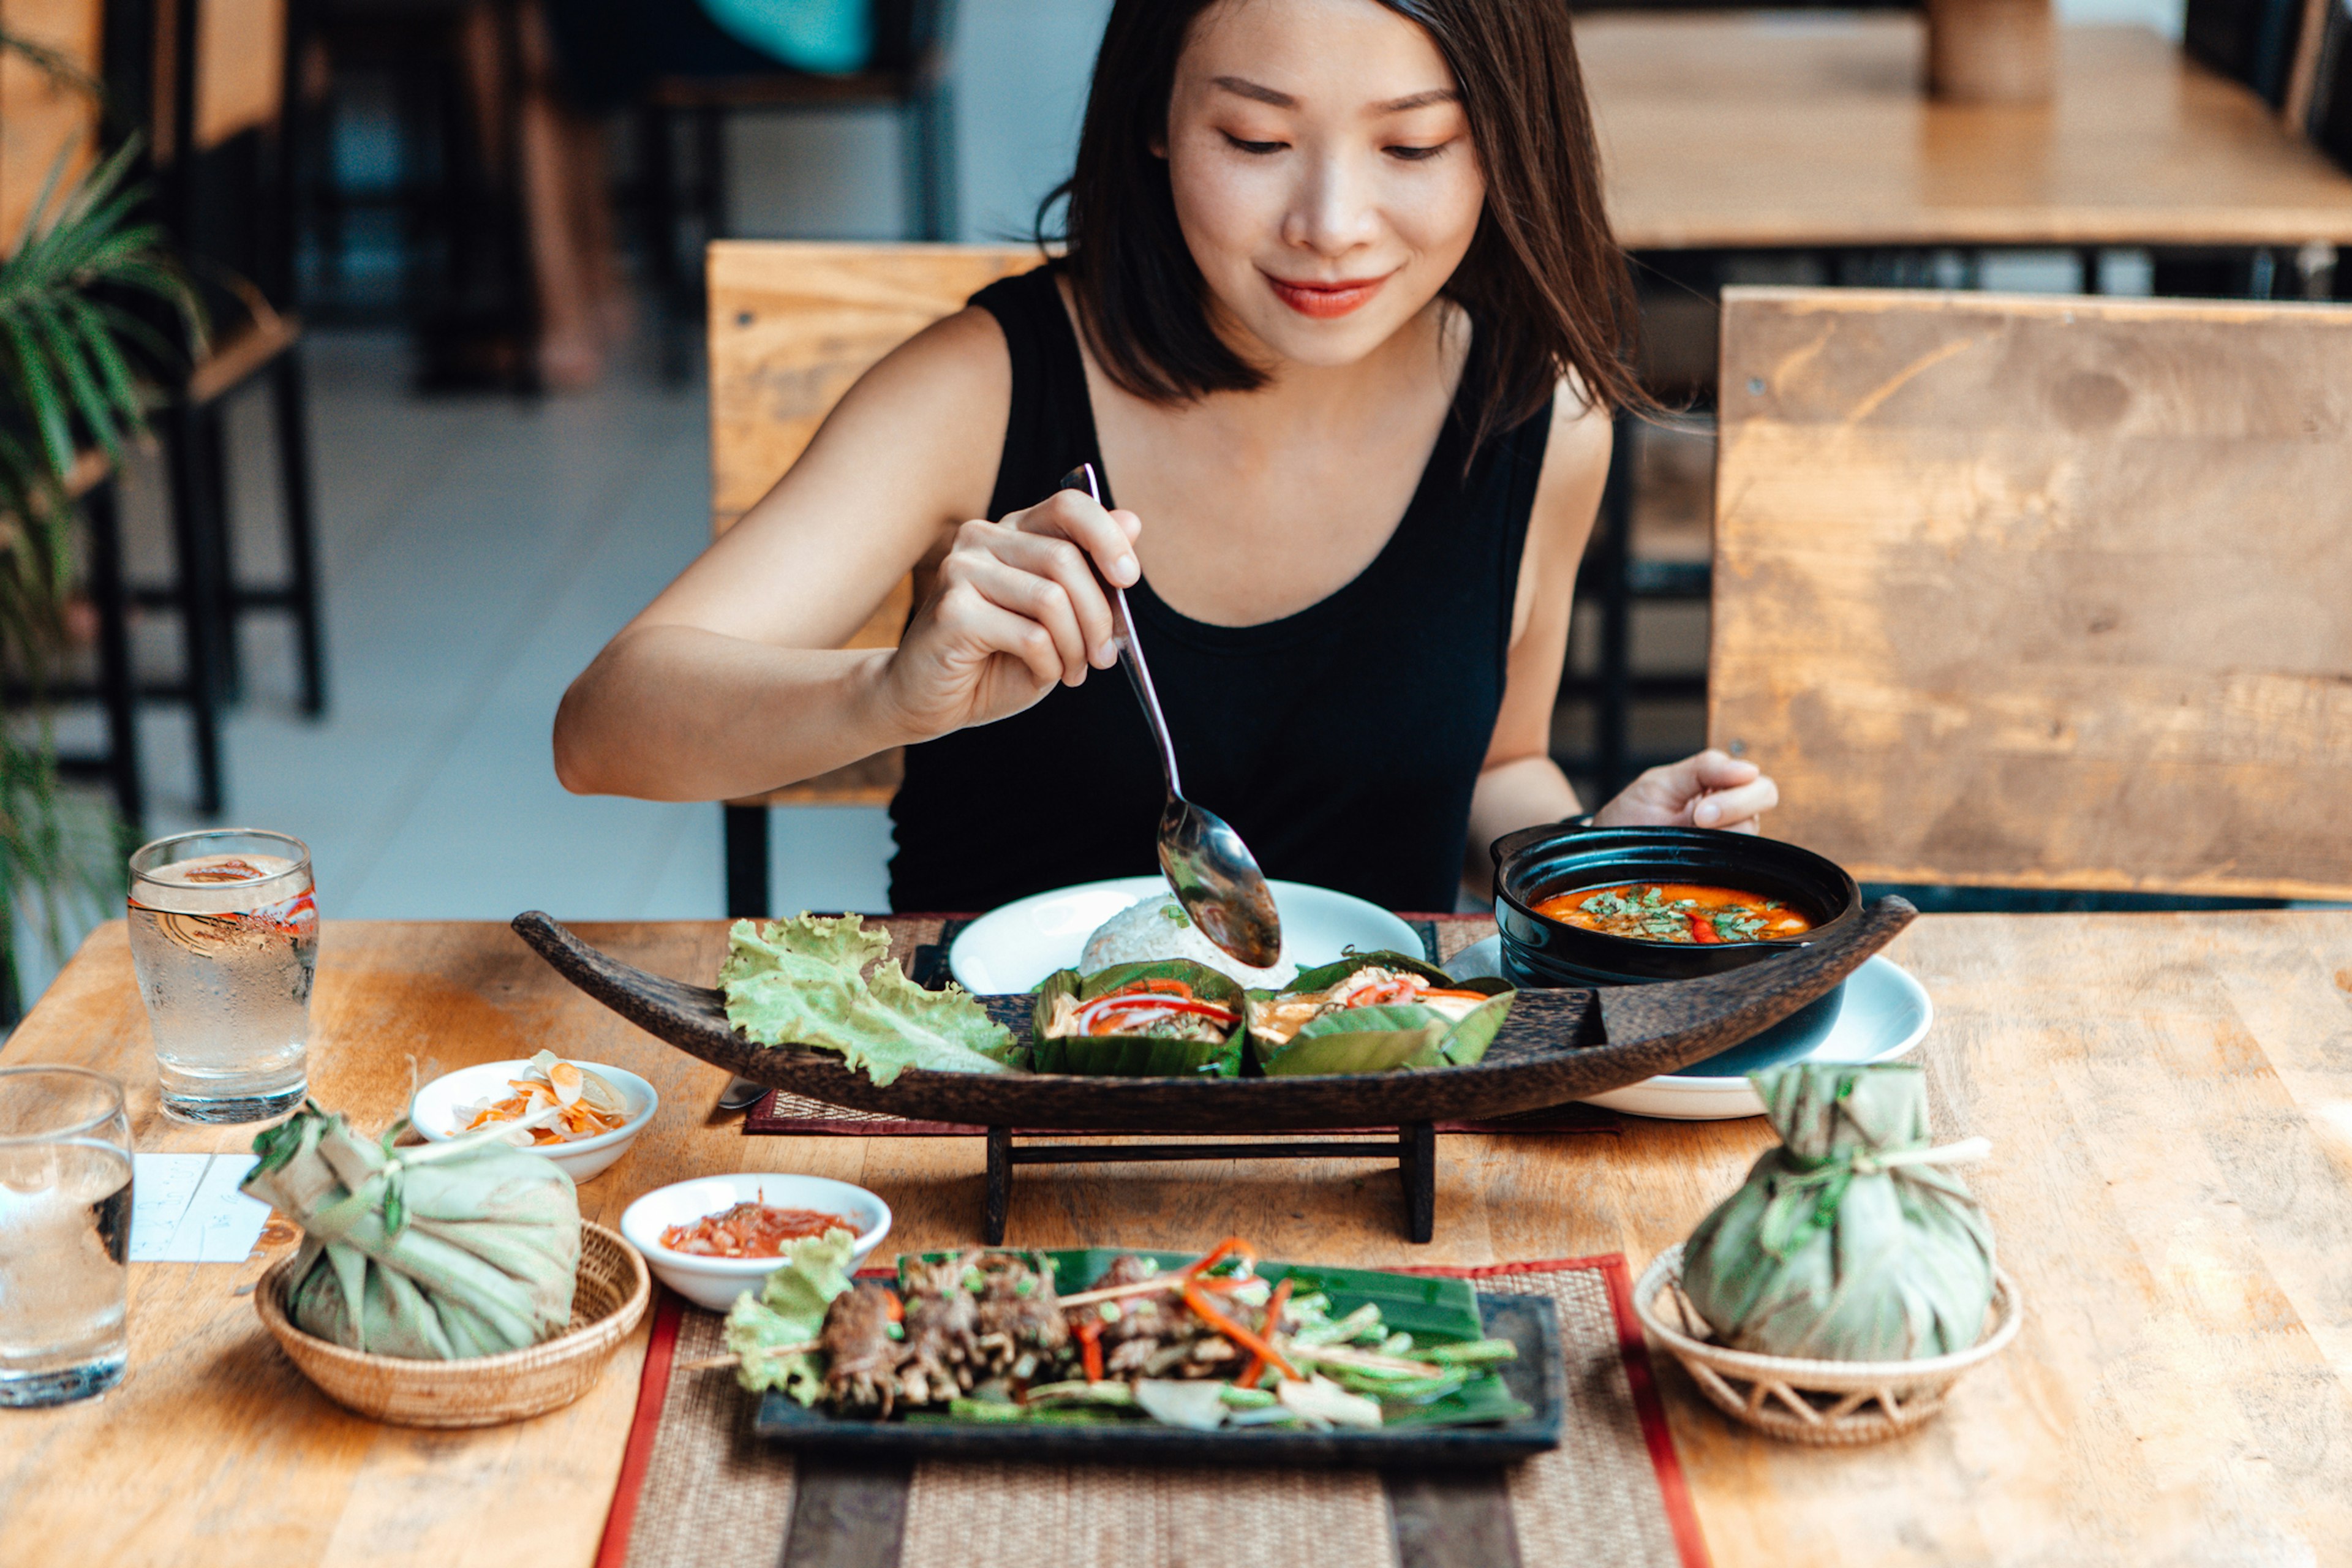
(1189, 1042)
(1381, 1037)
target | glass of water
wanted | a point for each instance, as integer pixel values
(225, 936)
(64, 1234)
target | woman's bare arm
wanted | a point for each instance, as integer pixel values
(733, 680)
(1520, 785)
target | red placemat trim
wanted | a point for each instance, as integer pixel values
(653, 1387)
(1673, 1489)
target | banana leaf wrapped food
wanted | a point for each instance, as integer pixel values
(1166, 1018)
(1375, 1011)
(439, 1252)
(1850, 1241)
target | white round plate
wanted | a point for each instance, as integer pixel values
(1011, 949)
(433, 1111)
(715, 1282)
(1885, 1016)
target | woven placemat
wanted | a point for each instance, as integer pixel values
(697, 1490)
(922, 943)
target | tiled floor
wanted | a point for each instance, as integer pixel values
(476, 552)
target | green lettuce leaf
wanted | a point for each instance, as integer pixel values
(789, 1310)
(801, 982)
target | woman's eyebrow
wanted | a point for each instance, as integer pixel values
(1260, 93)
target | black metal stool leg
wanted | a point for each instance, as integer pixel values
(197, 595)
(117, 686)
(302, 526)
(745, 828)
(658, 161)
(209, 426)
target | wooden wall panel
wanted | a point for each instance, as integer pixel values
(792, 326)
(2041, 592)
(40, 118)
(240, 67)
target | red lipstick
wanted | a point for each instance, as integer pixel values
(1324, 302)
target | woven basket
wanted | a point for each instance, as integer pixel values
(485, 1391)
(1833, 1403)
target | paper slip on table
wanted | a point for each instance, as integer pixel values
(699, 1490)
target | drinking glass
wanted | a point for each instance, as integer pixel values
(64, 1234)
(225, 936)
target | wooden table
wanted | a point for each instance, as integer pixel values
(2169, 1099)
(1748, 131)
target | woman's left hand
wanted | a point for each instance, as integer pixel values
(1709, 790)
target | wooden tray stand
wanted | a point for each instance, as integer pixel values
(1414, 1151)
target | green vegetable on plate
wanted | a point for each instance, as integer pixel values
(828, 982)
(1375, 1011)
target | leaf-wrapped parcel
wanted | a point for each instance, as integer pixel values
(440, 1252)
(1844, 1243)
(1175, 1044)
(806, 982)
(1376, 1038)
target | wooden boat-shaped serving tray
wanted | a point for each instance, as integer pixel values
(1556, 1046)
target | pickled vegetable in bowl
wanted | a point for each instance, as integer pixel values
(590, 1107)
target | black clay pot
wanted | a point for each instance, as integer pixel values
(1539, 863)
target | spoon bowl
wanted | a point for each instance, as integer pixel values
(1210, 870)
(1217, 880)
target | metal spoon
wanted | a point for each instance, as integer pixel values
(1212, 871)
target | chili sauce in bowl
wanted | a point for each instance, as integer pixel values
(1677, 911)
(1575, 907)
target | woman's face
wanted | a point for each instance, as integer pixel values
(1322, 171)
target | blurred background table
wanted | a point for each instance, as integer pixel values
(1811, 130)
(2171, 1183)
(1801, 148)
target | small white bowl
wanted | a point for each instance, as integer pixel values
(715, 1282)
(433, 1111)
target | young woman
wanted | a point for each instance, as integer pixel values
(1341, 325)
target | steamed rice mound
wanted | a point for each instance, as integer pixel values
(1159, 928)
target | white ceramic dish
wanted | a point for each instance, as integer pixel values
(1885, 1016)
(715, 1282)
(433, 1109)
(1011, 949)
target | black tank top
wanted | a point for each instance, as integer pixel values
(1341, 741)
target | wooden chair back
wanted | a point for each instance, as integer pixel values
(791, 325)
(2045, 593)
(41, 116)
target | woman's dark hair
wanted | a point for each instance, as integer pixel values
(1543, 279)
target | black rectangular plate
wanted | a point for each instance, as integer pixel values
(1537, 1379)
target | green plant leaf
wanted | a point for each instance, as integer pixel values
(66, 348)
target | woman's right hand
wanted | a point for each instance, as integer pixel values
(1013, 609)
